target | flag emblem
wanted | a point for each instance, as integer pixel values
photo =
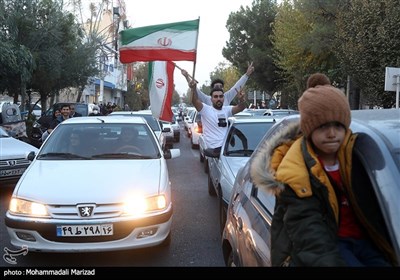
(165, 42)
(159, 83)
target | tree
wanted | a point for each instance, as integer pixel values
(366, 48)
(250, 30)
(16, 59)
(303, 38)
(48, 48)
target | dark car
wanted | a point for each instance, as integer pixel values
(43, 123)
(246, 237)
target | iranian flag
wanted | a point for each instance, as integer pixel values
(166, 42)
(161, 88)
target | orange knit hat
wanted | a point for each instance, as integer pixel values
(322, 104)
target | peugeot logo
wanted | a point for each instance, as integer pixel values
(86, 210)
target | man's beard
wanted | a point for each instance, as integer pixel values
(218, 105)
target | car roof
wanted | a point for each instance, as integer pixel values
(105, 119)
(381, 121)
(251, 119)
(140, 112)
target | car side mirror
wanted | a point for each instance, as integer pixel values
(31, 156)
(213, 153)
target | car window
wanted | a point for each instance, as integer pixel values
(265, 199)
(99, 141)
(155, 126)
(243, 138)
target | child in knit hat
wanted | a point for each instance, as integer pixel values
(319, 218)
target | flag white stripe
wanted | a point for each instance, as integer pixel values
(178, 40)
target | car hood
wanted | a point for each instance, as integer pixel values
(86, 181)
(234, 164)
(11, 148)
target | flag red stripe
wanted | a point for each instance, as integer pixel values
(128, 56)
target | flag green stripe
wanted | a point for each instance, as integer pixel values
(133, 34)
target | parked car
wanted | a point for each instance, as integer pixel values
(35, 108)
(195, 130)
(188, 119)
(246, 236)
(98, 210)
(280, 112)
(177, 129)
(241, 140)
(13, 158)
(151, 120)
(12, 122)
(202, 149)
(255, 112)
(43, 123)
(168, 133)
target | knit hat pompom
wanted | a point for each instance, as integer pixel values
(317, 79)
(323, 104)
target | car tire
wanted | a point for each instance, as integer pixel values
(211, 190)
(229, 261)
(201, 157)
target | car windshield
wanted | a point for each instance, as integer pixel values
(243, 138)
(3, 133)
(100, 141)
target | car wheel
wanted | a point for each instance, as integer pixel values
(229, 261)
(211, 190)
(222, 214)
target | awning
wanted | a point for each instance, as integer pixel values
(106, 84)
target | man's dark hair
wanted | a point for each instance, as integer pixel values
(217, 81)
(215, 89)
(65, 105)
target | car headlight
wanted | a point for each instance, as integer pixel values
(27, 208)
(138, 205)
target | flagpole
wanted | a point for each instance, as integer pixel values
(176, 65)
(194, 62)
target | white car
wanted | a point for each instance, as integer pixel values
(97, 184)
(13, 158)
(195, 130)
(177, 129)
(243, 136)
(168, 131)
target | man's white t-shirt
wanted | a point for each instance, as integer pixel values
(212, 133)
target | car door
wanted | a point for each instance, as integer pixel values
(252, 210)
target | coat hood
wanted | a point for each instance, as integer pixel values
(264, 163)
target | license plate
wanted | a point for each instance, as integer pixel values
(85, 230)
(12, 172)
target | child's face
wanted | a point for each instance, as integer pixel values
(328, 137)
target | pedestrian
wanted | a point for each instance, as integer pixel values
(74, 113)
(230, 94)
(65, 113)
(324, 215)
(214, 117)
